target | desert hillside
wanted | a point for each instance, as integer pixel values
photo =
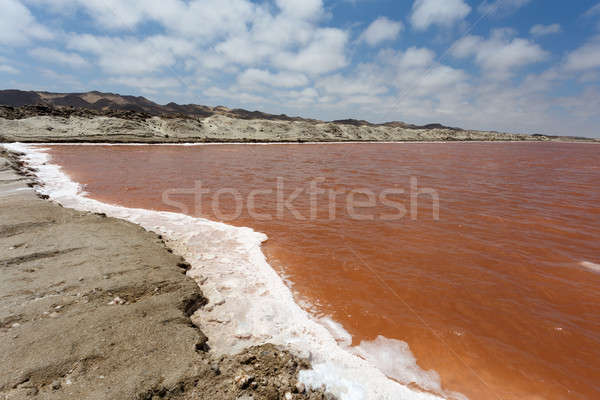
(107, 117)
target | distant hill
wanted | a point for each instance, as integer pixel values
(116, 104)
(100, 101)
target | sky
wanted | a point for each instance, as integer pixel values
(528, 66)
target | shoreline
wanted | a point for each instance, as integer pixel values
(88, 142)
(99, 308)
(295, 143)
(345, 374)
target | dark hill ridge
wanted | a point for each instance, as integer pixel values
(111, 102)
(32, 103)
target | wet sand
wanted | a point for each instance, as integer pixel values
(98, 308)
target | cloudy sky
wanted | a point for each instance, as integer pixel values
(507, 65)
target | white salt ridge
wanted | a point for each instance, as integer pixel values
(251, 305)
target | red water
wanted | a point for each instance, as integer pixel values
(492, 295)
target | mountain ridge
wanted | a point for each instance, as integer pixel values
(108, 103)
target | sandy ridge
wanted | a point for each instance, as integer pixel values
(220, 128)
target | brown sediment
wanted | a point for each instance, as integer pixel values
(97, 308)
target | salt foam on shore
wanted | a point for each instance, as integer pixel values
(250, 304)
(590, 266)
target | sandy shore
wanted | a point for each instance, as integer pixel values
(98, 308)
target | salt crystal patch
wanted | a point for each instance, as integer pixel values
(395, 360)
(337, 331)
(591, 266)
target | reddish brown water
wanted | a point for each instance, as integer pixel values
(493, 295)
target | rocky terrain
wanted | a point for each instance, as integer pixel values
(106, 117)
(98, 308)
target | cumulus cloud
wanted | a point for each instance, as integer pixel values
(205, 35)
(593, 13)
(501, 6)
(413, 57)
(380, 30)
(213, 34)
(595, 10)
(585, 57)
(501, 53)
(585, 105)
(364, 82)
(397, 80)
(7, 69)
(111, 14)
(72, 60)
(60, 81)
(542, 30)
(417, 74)
(253, 77)
(146, 84)
(18, 26)
(325, 53)
(304, 9)
(438, 12)
(130, 55)
(206, 19)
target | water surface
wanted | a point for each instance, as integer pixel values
(499, 294)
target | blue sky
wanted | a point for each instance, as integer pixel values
(507, 65)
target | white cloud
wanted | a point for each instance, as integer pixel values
(253, 77)
(290, 40)
(595, 10)
(542, 30)
(110, 14)
(438, 12)
(8, 69)
(585, 57)
(417, 74)
(300, 98)
(73, 60)
(218, 94)
(413, 57)
(380, 30)
(585, 105)
(364, 82)
(394, 80)
(501, 6)
(303, 9)
(130, 55)
(214, 34)
(326, 52)
(147, 84)
(62, 82)
(203, 19)
(206, 19)
(500, 54)
(18, 26)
